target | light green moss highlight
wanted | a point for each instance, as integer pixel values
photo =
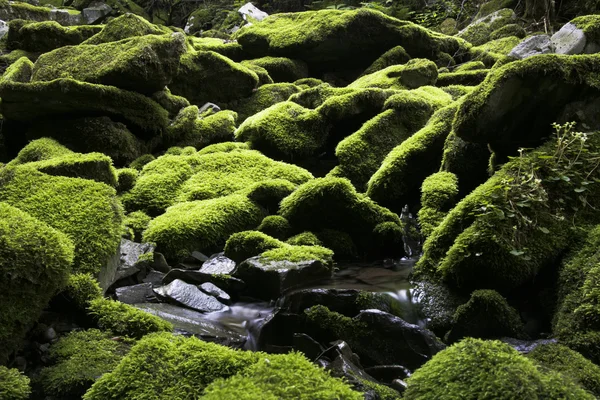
(304, 239)
(438, 195)
(189, 128)
(590, 25)
(222, 45)
(203, 75)
(78, 359)
(349, 211)
(466, 78)
(569, 363)
(470, 66)
(81, 289)
(473, 368)
(86, 211)
(397, 180)
(143, 64)
(123, 319)
(40, 150)
(35, 261)
(507, 31)
(336, 323)
(501, 46)
(275, 226)
(46, 36)
(13, 384)
(243, 245)
(124, 27)
(296, 254)
(281, 69)
(137, 221)
(202, 225)
(416, 72)
(264, 97)
(224, 147)
(394, 56)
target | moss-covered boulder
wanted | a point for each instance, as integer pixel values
(24, 101)
(465, 78)
(328, 40)
(124, 27)
(13, 384)
(361, 153)
(35, 261)
(398, 179)
(165, 366)
(438, 196)
(264, 97)
(486, 315)
(504, 108)
(86, 211)
(281, 69)
(206, 76)
(77, 360)
(141, 64)
(91, 134)
(394, 56)
(190, 128)
(479, 31)
(350, 212)
(415, 73)
(577, 320)
(473, 368)
(275, 226)
(46, 36)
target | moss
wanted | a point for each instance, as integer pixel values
(486, 315)
(466, 78)
(222, 45)
(508, 31)
(91, 134)
(304, 239)
(457, 91)
(263, 75)
(269, 193)
(86, 211)
(328, 40)
(275, 226)
(468, 161)
(470, 66)
(296, 254)
(590, 25)
(561, 359)
(126, 178)
(189, 128)
(124, 27)
(316, 96)
(25, 101)
(577, 321)
(142, 160)
(501, 46)
(78, 359)
(10, 58)
(282, 69)
(223, 148)
(438, 195)
(35, 261)
(340, 243)
(81, 289)
(476, 34)
(473, 368)
(40, 150)
(173, 104)
(264, 97)
(126, 64)
(338, 324)
(243, 245)
(394, 56)
(491, 6)
(396, 182)
(46, 36)
(285, 130)
(13, 384)
(289, 376)
(416, 72)
(360, 154)
(203, 75)
(123, 319)
(307, 83)
(137, 221)
(192, 225)
(350, 211)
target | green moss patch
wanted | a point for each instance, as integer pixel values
(13, 384)
(46, 36)
(264, 97)
(124, 27)
(438, 195)
(416, 72)
(282, 69)
(189, 128)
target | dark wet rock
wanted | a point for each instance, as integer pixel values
(218, 264)
(388, 373)
(135, 294)
(270, 279)
(189, 266)
(526, 346)
(50, 335)
(338, 300)
(192, 322)
(307, 345)
(155, 278)
(160, 263)
(399, 385)
(532, 46)
(190, 296)
(212, 290)
(227, 283)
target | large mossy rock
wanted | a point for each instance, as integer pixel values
(24, 101)
(206, 76)
(141, 64)
(35, 262)
(577, 320)
(46, 36)
(473, 368)
(14, 385)
(126, 26)
(164, 366)
(328, 40)
(373, 228)
(517, 103)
